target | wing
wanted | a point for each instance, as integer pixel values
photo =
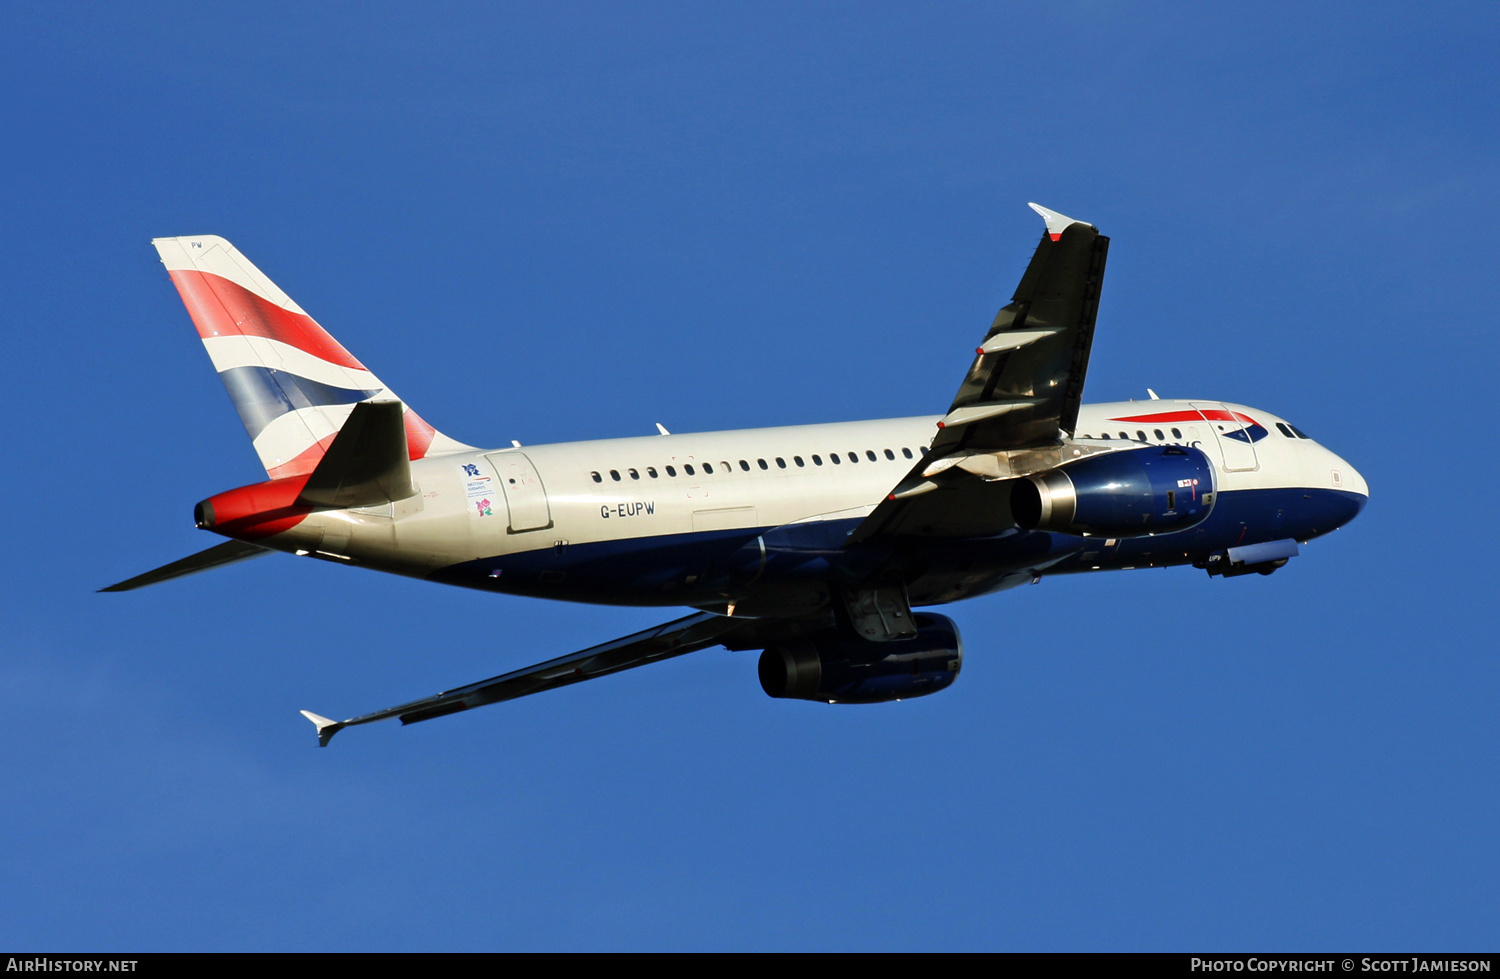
(662, 642)
(1024, 387)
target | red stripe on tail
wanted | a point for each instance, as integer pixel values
(223, 308)
(418, 435)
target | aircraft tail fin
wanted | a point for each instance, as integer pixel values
(293, 384)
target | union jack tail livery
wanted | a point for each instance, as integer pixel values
(293, 385)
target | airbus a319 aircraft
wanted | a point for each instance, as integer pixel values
(811, 543)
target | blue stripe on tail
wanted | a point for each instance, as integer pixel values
(262, 395)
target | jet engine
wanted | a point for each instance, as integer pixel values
(839, 667)
(1151, 490)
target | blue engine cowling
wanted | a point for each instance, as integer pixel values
(1151, 490)
(839, 667)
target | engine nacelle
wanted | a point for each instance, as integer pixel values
(839, 667)
(1151, 490)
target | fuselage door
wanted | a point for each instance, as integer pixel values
(525, 495)
(1233, 434)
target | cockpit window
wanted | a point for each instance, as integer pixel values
(1299, 433)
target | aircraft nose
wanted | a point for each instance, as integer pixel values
(1357, 484)
(1356, 489)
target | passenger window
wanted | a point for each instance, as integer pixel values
(688, 468)
(615, 475)
(817, 459)
(1140, 435)
(1125, 436)
(780, 463)
(870, 454)
(762, 463)
(671, 471)
(1159, 436)
(726, 467)
(833, 457)
(597, 478)
(651, 471)
(634, 474)
(923, 449)
(708, 468)
(1177, 433)
(906, 452)
(889, 454)
(744, 465)
(798, 461)
(854, 457)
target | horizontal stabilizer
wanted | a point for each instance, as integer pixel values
(367, 464)
(215, 557)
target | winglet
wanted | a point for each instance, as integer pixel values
(1055, 222)
(326, 728)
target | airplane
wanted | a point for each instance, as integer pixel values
(813, 544)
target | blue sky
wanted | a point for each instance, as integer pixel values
(575, 220)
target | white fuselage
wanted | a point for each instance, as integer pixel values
(625, 493)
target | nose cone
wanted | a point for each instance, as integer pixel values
(1357, 484)
(1356, 492)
